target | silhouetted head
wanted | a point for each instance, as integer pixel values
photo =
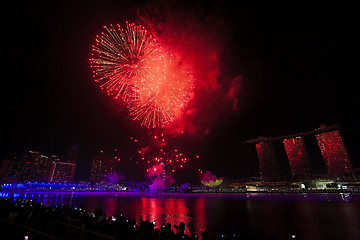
(205, 235)
(168, 226)
(181, 226)
(272, 237)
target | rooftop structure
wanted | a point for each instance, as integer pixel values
(334, 153)
(323, 128)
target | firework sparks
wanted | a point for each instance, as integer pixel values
(118, 56)
(132, 66)
(161, 152)
(165, 92)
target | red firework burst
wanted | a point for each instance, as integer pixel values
(133, 67)
(165, 92)
(118, 56)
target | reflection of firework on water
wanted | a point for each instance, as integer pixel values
(159, 151)
(132, 66)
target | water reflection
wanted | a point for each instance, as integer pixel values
(110, 206)
(173, 211)
(200, 217)
(307, 215)
(158, 210)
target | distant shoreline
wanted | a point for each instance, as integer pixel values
(202, 193)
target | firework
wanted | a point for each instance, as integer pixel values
(160, 154)
(118, 56)
(171, 158)
(165, 92)
(132, 66)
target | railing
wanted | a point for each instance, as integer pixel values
(35, 234)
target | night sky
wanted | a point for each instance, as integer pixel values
(296, 61)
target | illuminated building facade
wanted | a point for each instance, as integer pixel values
(297, 155)
(62, 172)
(267, 160)
(19, 166)
(101, 166)
(39, 167)
(333, 150)
(329, 141)
(34, 166)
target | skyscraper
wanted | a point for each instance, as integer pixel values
(334, 152)
(62, 172)
(297, 155)
(39, 166)
(101, 166)
(73, 154)
(267, 160)
(19, 166)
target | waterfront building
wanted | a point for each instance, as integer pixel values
(62, 172)
(39, 167)
(18, 167)
(331, 145)
(297, 156)
(267, 159)
(334, 152)
(102, 165)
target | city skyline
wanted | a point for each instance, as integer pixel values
(35, 166)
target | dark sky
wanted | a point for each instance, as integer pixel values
(296, 62)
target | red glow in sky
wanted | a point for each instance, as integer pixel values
(167, 73)
(197, 44)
